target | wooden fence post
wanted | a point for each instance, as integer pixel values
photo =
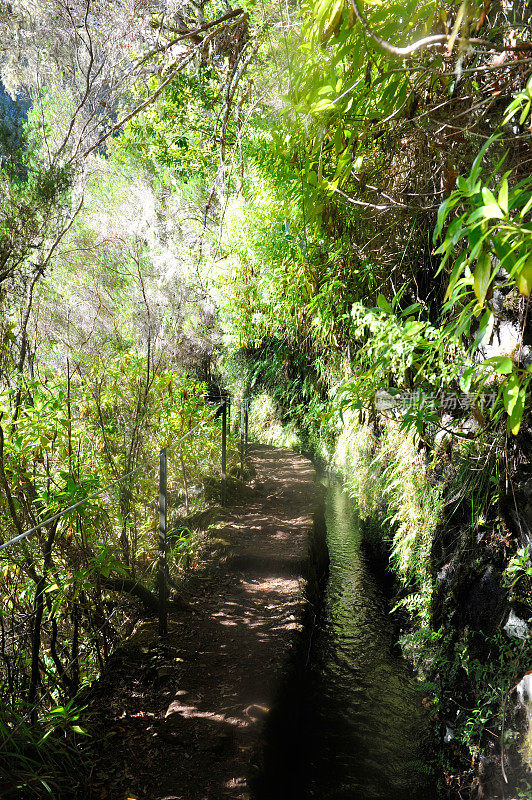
(161, 576)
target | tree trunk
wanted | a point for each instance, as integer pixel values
(35, 678)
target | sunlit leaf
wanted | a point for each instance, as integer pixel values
(503, 195)
(516, 415)
(501, 364)
(524, 278)
(510, 393)
(482, 277)
(384, 304)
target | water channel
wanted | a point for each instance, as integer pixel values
(350, 724)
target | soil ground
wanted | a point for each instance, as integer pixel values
(182, 718)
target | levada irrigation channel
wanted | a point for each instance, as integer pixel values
(349, 723)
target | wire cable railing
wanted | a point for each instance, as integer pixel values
(95, 495)
(223, 408)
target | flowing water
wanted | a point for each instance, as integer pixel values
(351, 723)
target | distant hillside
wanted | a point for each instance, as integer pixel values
(13, 109)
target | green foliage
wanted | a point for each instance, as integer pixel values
(485, 669)
(294, 251)
(70, 442)
(314, 238)
(45, 760)
(64, 719)
(335, 85)
(519, 567)
(173, 138)
(34, 191)
(489, 241)
(266, 424)
(398, 350)
(183, 548)
(389, 480)
(521, 104)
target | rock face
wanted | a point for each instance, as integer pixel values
(524, 695)
(525, 512)
(486, 602)
(478, 601)
(517, 627)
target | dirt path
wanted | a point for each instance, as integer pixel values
(183, 720)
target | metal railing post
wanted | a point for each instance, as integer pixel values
(246, 416)
(224, 452)
(242, 429)
(161, 576)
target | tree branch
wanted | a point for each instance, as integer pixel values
(427, 41)
(161, 88)
(148, 599)
(191, 33)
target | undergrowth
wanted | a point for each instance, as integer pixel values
(43, 760)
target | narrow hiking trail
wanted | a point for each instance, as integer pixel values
(181, 719)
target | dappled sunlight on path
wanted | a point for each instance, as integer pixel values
(190, 722)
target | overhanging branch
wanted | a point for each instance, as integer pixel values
(232, 22)
(427, 41)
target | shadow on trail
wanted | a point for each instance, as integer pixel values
(182, 718)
